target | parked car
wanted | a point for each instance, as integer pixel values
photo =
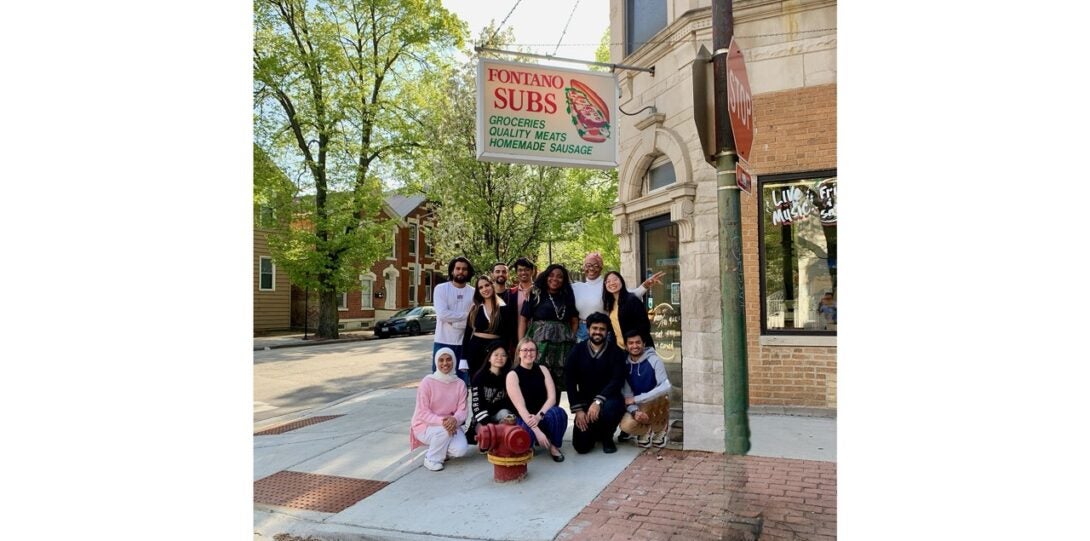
(411, 321)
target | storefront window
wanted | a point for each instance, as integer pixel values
(798, 253)
(659, 250)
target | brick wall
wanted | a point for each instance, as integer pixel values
(796, 131)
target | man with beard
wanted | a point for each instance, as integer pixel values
(452, 300)
(594, 373)
(499, 277)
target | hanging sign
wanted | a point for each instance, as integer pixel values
(544, 115)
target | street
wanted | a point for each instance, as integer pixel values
(287, 380)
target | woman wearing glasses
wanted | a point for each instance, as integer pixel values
(533, 393)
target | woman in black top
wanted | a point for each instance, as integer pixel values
(625, 310)
(532, 392)
(488, 394)
(550, 319)
(484, 324)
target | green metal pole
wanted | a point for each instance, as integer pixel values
(731, 282)
(732, 285)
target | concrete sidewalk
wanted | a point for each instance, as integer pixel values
(344, 471)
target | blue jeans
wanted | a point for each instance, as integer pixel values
(581, 333)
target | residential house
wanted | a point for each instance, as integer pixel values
(272, 290)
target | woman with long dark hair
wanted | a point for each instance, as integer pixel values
(488, 392)
(625, 310)
(550, 319)
(484, 325)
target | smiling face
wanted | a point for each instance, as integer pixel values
(634, 345)
(597, 332)
(499, 274)
(613, 283)
(592, 269)
(525, 274)
(445, 363)
(527, 354)
(484, 286)
(555, 280)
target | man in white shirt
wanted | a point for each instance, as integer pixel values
(588, 293)
(452, 301)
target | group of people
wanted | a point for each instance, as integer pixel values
(511, 351)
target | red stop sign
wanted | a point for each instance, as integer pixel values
(739, 101)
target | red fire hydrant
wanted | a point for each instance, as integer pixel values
(508, 447)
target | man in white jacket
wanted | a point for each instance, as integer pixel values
(452, 301)
(646, 393)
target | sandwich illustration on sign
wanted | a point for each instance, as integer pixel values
(588, 112)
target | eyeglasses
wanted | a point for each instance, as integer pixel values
(592, 266)
(534, 350)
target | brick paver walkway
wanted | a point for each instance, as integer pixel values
(691, 495)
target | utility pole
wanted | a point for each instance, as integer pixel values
(735, 371)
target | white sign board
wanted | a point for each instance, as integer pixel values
(544, 115)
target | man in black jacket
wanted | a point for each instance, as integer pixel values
(594, 371)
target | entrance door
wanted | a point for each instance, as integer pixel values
(659, 250)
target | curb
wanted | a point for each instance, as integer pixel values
(312, 343)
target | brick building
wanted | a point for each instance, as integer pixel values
(406, 276)
(667, 212)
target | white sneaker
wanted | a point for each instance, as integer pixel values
(644, 440)
(659, 438)
(433, 466)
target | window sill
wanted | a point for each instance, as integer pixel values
(797, 340)
(266, 290)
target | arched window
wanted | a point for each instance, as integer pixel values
(659, 175)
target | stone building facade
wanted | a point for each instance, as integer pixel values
(667, 214)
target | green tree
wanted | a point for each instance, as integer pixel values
(491, 211)
(338, 88)
(593, 232)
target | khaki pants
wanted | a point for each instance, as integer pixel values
(659, 412)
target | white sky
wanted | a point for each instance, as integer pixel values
(540, 23)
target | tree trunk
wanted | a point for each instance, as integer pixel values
(327, 315)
